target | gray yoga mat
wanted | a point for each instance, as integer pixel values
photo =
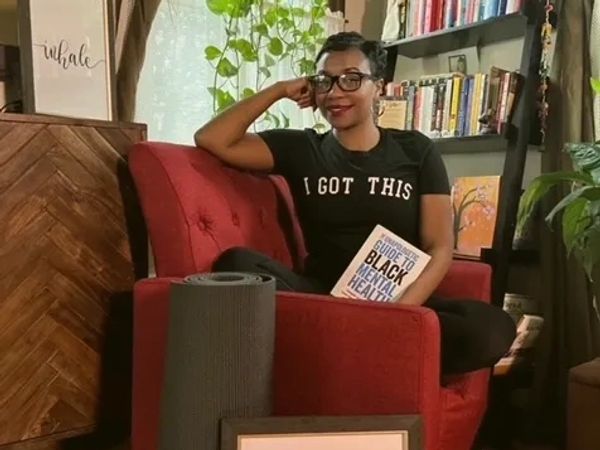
(219, 357)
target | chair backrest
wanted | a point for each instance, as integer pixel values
(195, 208)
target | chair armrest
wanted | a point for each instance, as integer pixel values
(467, 280)
(150, 323)
(336, 357)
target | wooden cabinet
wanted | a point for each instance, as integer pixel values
(72, 243)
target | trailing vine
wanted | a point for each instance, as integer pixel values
(262, 34)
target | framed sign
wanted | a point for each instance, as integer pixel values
(67, 58)
(322, 433)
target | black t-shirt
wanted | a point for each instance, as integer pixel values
(341, 195)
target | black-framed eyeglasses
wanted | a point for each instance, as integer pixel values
(348, 82)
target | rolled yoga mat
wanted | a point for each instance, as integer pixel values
(219, 356)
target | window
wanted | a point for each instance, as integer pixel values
(172, 97)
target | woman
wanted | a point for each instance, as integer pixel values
(346, 181)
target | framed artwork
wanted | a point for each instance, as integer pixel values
(322, 433)
(67, 58)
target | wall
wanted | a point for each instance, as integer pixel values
(367, 17)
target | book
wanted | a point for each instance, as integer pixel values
(382, 269)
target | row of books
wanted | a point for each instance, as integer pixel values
(418, 17)
(451, 105)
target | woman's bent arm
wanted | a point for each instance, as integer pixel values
(226, 135)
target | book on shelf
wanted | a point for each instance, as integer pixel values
(382, 269)
(475, 207)
(452, 104)
(521, 350)
(412, 18)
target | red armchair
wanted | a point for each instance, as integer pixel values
(332, 356)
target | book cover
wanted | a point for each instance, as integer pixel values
(383, 268)
(475, 206)
(392, 113)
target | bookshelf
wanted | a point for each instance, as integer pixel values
(519, 134)
(485, 32)
(471, 144)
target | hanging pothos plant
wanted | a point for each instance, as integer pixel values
(262, 34)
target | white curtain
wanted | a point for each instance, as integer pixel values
(595, 62)
(173, 98)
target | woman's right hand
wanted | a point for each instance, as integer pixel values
(298, 90)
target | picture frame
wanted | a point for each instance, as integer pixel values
(457, 64)
(392, 432)
(68, 70)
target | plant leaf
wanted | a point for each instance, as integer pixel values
(218, 7)
(316, 29)
(226, 69)
(306, 66)
(261, 29)
(595, 82)
(224, 98)
(590, 255)
(247, 92)
(566, 201)
(211, 52)
(266, 72)
(245, 48)
(270, 18)
(586, 157)
(574, 222)
(298, 12)
(286, 121)
(276, 46)
(269, 61)
(539, 187)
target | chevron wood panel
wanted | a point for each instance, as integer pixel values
(69, 230)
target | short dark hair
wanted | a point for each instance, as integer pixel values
(347, 40)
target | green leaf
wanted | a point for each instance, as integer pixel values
(245, 49)
(286, 24)
(306, 66)
(586, 157)
(298, 12)
(247, 92)
(226, 69)
(316, 29)
(286, 121)
(261, 29)
(271, 17)
(266, 72)
(574, 221)
(218, 7)
(276, 47)
(224, 98)
(318, 12)
(211, 52)
(566, 201)
(539, 187)
(590, 255)
(269, 61)
(240, 8)
(595, 82)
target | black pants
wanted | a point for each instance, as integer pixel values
(474, 334)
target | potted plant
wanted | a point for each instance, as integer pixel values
(580, 208)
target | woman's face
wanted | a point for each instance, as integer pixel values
(345, 109)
